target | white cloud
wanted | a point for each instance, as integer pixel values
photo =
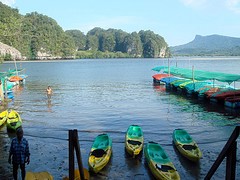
(8, 2)
(233, 5)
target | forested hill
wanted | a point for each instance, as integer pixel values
(37, 36)
(213, 45)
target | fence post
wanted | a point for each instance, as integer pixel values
(231, 162)
(71, 155)
(78, 154)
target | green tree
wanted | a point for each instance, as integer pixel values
(92, 42)
(132, 45)
(46, 36)
(120, 36)
(78, 37)
(106, 42)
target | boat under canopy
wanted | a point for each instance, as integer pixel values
(198, 74)
(168, 80)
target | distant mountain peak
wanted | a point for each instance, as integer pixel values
(209, 45)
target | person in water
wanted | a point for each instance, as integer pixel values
(19, 154)
(49, 91)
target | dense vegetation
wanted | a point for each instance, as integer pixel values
(38, 36)
(213, 45)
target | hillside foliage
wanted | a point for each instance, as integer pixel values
(38, 36)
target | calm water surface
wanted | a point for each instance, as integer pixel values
(106, 96)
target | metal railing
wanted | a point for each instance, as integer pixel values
(229, 151)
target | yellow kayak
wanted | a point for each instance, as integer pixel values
(159, 163)
(134, 140)
(3, 117)
(38, 176)
(14, 120)
(101, 152)
(186, 145)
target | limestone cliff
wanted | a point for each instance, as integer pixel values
(8, 50)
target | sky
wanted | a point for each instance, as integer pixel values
(177, 21)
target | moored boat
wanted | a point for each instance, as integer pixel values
(3, 117)
(176, 84)
(100, 153)
(232, 101)
(134, 140)
(168, 81)
(222, 95)
(194, 87)
(159, 163)
(186, 145)
(14, 120)
(157, 78)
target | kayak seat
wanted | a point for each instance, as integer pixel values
(189, 147)
(12, 117)
(134, 142)
(13, 123)
(98, 152)
(164, 168)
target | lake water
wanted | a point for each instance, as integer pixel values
(106, 96)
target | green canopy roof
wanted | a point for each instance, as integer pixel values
(198, 74)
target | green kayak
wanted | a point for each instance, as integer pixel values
(134, 140)
(100, 153)
(186, 145)
(14, 120)
(159, 162)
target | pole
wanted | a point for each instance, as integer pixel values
(168, 67)
(193, 76)
(16, 66)
(78, 154)
(71, 155)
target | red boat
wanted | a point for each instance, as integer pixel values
(157, 77)
(222, 95)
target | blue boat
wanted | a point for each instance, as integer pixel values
(169, 80)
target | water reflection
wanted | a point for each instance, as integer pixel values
(198, 107)
(49, 104)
